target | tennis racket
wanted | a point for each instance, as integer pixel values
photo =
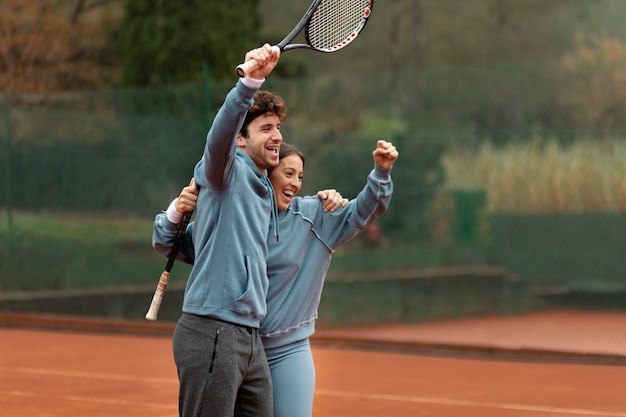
(329, 25)
(165, 276)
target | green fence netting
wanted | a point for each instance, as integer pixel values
(83, 175)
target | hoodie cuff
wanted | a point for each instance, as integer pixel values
(382, 173)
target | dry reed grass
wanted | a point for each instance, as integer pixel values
(543, 176)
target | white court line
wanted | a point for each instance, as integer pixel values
(446, 401)
(386, 397)
(93, 400)
(93, 375)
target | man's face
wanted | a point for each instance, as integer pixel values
(263, 141)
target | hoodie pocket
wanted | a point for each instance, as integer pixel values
(252, 301)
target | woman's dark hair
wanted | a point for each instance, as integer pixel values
(265, 102)
(287, 150)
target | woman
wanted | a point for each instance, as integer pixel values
(297, 265)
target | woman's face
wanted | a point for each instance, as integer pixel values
(286, 179)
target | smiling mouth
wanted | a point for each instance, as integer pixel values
(288, 195)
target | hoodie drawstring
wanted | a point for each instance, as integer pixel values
(274, 216)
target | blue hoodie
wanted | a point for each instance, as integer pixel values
(298, 263)
(232, 220)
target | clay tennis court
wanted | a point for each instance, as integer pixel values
(63, 366)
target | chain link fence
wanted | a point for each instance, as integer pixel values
(84, 174)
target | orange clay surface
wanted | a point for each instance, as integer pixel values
(71, 373)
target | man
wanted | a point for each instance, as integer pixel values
(219, 355)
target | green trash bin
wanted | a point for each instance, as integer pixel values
(469, 210)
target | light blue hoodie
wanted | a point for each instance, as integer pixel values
(298, 263)
(232, 220)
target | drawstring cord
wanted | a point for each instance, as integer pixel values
(274, 216)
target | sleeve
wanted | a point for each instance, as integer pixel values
(163, 235)
(217, 164)
(338, 227)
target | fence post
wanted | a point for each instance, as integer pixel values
(7, 177)
(206, 96)
(165, 172)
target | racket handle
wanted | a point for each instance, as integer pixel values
(158, 296)
(246, 68)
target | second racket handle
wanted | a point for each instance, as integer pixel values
(246, 68)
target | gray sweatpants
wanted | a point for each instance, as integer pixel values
(222, 369)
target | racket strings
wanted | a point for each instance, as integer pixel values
(336, 23)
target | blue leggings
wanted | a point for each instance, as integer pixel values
(293, 378)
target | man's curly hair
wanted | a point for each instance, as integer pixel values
(265, 102)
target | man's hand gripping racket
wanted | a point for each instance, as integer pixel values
(329, 25)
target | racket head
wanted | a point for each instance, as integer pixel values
(336, 23)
